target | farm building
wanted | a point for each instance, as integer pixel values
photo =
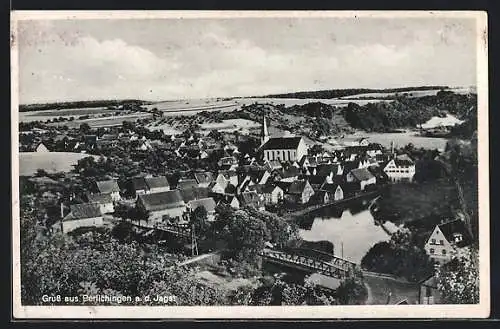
(104, 201)
(169, 203)
(82, 215)
(109, 187)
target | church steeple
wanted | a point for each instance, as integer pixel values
(264, 133)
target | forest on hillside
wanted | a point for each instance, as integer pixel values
(80, 104)
(335, 93)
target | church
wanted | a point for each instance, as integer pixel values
(285, 148)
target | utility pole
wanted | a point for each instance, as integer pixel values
(342, 249)
(194, 244)
(62, 215)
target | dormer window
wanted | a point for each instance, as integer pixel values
(457, 237)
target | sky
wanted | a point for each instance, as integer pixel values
(163, 59)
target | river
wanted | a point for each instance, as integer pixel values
(352, 231)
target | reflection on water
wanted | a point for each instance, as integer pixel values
(351, 230)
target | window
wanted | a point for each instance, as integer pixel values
(431, 250)
(433, 241)
(441, 242)
(443, 251)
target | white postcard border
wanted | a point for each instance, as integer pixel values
(480, 310)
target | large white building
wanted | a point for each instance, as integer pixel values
(401, 168)
(286, 148)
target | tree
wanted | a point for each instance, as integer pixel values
(85, 128)
(400, 256)
(458, 281)
(351, 291)
(246, 236)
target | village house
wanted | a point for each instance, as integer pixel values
(428, 291)
(204, 178)
(194, 193)
(317, 181)
(252, 199)
(224, 178)
(207, 203)
(273, 165)
(446, 240)
(104, 201)
(109, 187)
(163, 204)
(400, 168)
(299, 191)
(289, 174)
(41, 148)
(234, 202)
(329, 170)
(82, 215)
(138, 186)
(334, 191)
(362, 176)
(157, 184)
(374, 149)
(308, 162)
(272, 194)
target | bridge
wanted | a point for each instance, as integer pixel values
(338, 268)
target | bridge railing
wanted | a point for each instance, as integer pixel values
(339, 268)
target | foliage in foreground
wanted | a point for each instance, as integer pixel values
(458, 281)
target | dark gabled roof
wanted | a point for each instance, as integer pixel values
(431, 281)
(108, 186)
(362, 174)
(187, 184)
(156, 182)
(375, 147)
(326, 169)
(291, 171)
(99, 198)
(330, 187)
(204, 177)
(454, 227)
(378, 172)
(256, 175)
(250, 198)
(257, 188)
(274, 164)
(284, 185)
(267, 189)
(82, 211)
(350, 165)
(282, 143)
(297, 187)
(207, 203)
(162, 200)
(139, 183)
(316, 179)
(195, 193)
(403, 161)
